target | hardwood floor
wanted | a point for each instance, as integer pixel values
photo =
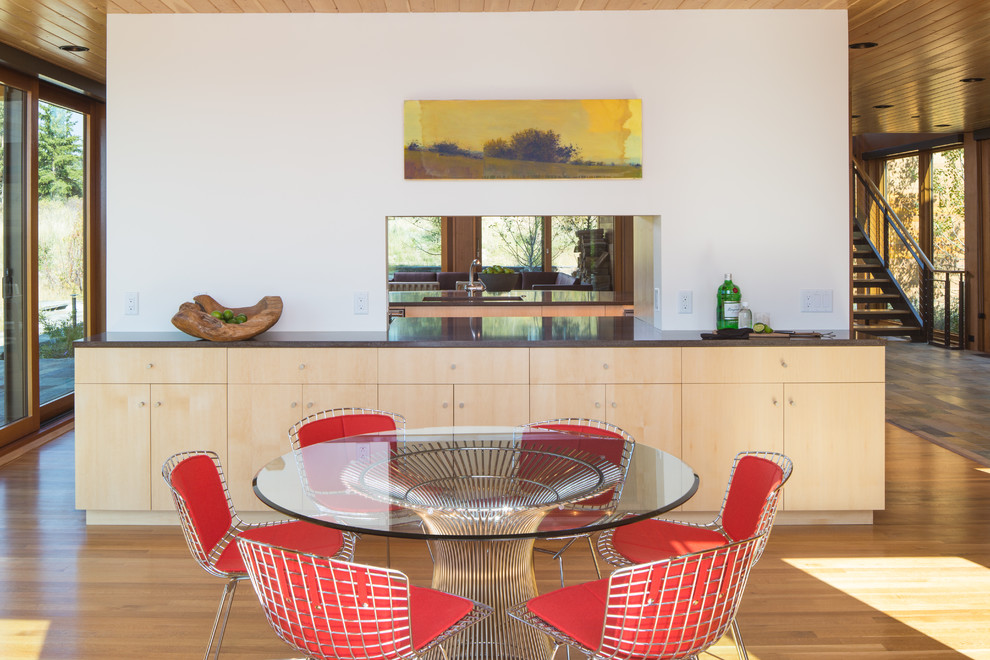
(914, 585)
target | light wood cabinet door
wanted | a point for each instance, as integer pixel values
(151, 365)
(719, 421)
(453, 365)
(258, 421)
(491, 405)
(604, 365)
(421, 405)
(834, 433)
(113, 463)
(184, 418)
(650, 413)
(317, 398)
(302, 365)
(557, 401)
(783, 364)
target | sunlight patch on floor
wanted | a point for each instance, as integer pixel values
(944, 598)
(984, 470)
(23, 638)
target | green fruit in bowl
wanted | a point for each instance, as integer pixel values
(240, 318)
(217, 314)
(228, 314)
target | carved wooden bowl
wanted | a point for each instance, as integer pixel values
(194, 318)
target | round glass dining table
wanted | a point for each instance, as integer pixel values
(480, 496)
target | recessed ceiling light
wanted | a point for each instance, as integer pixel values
(882, 106)
(968, 80)
(72, 48)
(862, 45)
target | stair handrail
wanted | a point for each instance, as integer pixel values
(890, 216)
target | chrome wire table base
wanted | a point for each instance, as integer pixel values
(500, 574)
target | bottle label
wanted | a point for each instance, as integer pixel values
(730, 310)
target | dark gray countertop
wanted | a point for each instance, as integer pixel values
(501, 331)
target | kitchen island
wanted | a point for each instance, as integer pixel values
(142, 396)
(508, 303)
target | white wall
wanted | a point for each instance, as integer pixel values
(254, 155)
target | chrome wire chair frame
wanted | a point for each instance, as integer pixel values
(330, 608)
(593, 426)
(767, 514)
(296, 443)
(671, 609)
(207, 558)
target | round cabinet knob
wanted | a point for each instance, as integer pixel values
(293, 404)
(158, 404)
(141, 404)
(605, 366)
(460, 405)
(453, 366)
(445, 404)
(783, 364)
(615, 405)
(775, 402)
(301, 367)
(790, 402)
(598, 404)
(150, 365)
(309, 405)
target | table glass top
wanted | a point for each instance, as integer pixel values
(475, 482)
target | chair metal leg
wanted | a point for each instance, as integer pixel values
(737, 638)
(220, 620)
(594, 555)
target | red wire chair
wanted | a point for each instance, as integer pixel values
(748, 509)
(332, 609)
(340, 422)
(592, 508)
(665, 610)
(335, 423)
(210, 524)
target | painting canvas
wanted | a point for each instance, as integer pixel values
(539, 139)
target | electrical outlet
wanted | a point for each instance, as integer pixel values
(361, 302)
(684, 302)
(131, 303)
(816, 300)
(363, 453)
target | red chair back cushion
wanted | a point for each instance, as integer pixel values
(197, 480)
(331, 428)
(607, 449)
(753, 481)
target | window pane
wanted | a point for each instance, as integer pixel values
(61, 219)
(512, 241)
(901, 191)
(582, 245)
(948, 211)
(414, 243)
(13, 159)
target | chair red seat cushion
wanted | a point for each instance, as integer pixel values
(577, 611)
(295, 535)
(652, 540)
(433, 612)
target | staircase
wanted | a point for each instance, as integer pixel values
(879, 305)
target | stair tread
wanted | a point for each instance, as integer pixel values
(882, 312)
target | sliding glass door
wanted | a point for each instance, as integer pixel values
(14, 189)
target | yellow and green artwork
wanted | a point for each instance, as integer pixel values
(544, 139)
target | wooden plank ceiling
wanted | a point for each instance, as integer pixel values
(925, 47)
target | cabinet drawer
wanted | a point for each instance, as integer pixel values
(151, 365)
(605, 365)
(302, 365)
(453, 365)
(784, 364)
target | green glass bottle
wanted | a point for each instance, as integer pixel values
(727, 304)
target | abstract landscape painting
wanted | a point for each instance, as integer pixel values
(545, 139)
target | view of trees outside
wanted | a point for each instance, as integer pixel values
(413, 243)
(901, 190)
(512, 241)
(564, 257)
(61, 217)
(948, 235)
